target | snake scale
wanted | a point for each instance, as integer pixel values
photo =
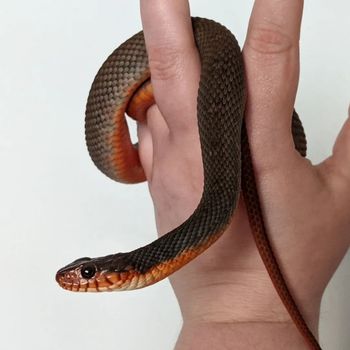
(123, 85)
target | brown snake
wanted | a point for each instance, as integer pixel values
(123, 85)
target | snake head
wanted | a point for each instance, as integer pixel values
(112, 272)
(76, 275)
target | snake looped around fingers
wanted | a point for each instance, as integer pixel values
(121, 86)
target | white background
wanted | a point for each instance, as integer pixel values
(54, 204)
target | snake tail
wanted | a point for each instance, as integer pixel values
(250, 195)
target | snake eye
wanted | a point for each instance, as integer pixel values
(88, 271)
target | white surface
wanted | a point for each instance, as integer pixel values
(55, 205)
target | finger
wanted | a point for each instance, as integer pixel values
(340, 159)
(174, 61)
(271, 55)
(157, 126)
(153, 135)
(145, 148)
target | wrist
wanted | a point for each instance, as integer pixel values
(229, 284)
(244, 335)
(237, 297)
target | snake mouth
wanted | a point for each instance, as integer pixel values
(74, 281)
(69, 280)
(103, 281)
(70, 277)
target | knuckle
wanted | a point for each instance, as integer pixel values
(269, 41)
(165, 62)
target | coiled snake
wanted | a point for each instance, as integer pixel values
(123, 85)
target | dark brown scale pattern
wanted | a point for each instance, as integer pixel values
(298, 134)
(126, 66)
(220, 109)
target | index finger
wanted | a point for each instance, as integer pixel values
(173, 59)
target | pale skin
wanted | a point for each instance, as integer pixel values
(226, 296)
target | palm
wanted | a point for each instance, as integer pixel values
(294, 198)
(305, 206)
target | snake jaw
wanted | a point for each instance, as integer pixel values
(69, 279)
(72, 280)
(71, 276)
(108, 273)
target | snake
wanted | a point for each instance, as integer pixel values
(123, 86)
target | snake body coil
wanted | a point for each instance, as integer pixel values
(220, 110)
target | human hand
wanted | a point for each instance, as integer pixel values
(305, 207)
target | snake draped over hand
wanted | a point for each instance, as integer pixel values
(121, 86)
